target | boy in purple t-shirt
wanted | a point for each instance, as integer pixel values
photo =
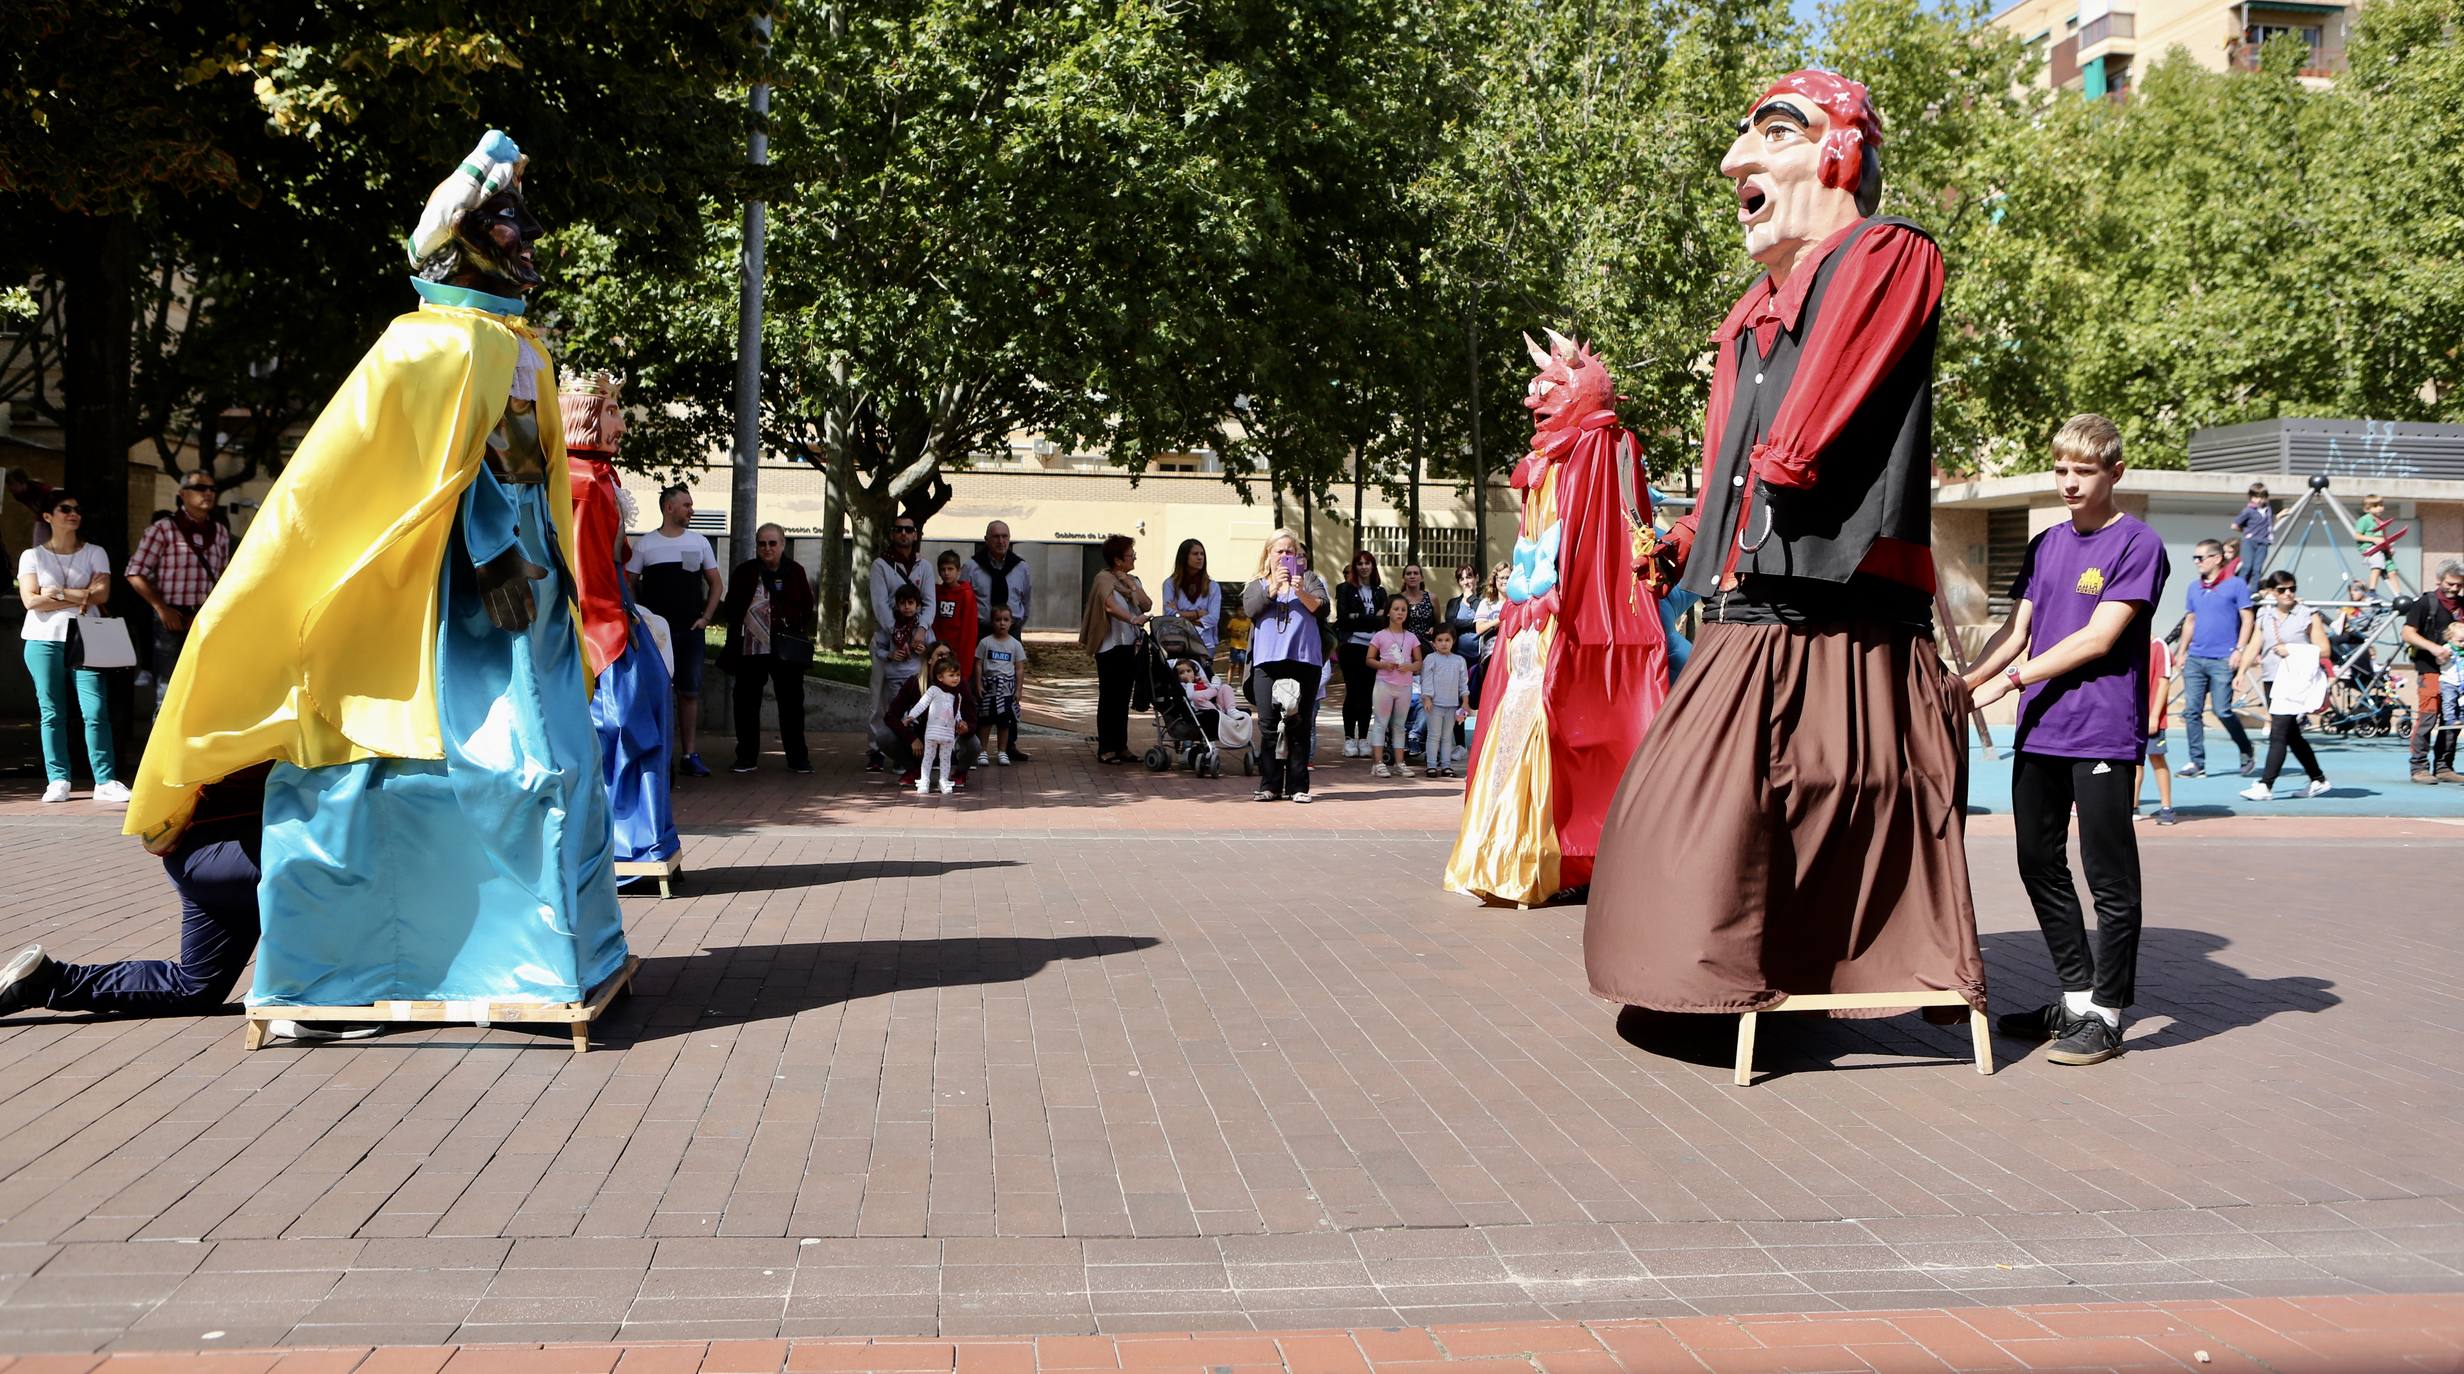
(2081, 612)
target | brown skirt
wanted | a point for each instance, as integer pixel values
(1794, 823)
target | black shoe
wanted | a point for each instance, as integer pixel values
(25, 981)
(800, 766)
(1018, 756)
(2089, 1039)
(873, 761)
(2047, 1022)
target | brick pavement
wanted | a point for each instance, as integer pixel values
(2249, 1334)
(1051, 1058)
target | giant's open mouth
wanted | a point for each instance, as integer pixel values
(1750, 200)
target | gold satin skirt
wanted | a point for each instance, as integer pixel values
(1506, 853)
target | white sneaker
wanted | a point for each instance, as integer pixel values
(1351, 747)
(113, 793)
(1402, 772)
(948, 785)
(2316, 789)
(1381, 771)
(56, 791)
(1002, 758)
(2258, 791)
(317, 1031)
(923, 787)
(1303, 798)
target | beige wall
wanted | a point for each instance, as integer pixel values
(1082, 507)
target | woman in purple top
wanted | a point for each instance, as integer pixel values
(1287, 658)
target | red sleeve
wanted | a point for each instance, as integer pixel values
(1884, 295)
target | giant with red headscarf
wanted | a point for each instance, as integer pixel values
(1792, 824)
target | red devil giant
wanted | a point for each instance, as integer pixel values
(1581, 662)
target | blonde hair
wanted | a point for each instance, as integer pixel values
(2090, 439)
(1266, 551)
(2373, 501)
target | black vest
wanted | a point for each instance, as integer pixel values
(1874, 480)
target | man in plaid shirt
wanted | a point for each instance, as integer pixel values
(175, 567)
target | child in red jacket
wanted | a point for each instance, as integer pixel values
(954, 613)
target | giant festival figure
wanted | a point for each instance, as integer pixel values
(632, 706)
(1580, 639)
(397, 637)
(1793, 822)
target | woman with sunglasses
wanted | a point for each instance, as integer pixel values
(62, 580)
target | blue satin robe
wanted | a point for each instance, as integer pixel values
(484, 875)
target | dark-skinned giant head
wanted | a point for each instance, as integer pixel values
(1807, 161)
(475, 230)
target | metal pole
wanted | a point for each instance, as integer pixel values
(744, 496)
(1480, 460)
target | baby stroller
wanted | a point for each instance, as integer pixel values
(1194, 735)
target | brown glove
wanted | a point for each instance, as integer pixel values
(504, 589)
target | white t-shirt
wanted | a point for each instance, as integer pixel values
(78, 569)
(690, 549)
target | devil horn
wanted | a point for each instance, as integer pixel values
(1539, 355)
(1560, 345)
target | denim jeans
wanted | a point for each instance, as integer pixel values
(47, 661)
(217, 883)
(2202, 678)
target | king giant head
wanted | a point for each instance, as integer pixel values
(1807, 162)
(592, 404)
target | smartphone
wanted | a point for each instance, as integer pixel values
(1291, 564)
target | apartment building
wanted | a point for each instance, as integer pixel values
(2098, 47)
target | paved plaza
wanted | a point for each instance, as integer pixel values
(1092, 1052)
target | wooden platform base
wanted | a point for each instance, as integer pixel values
(579, 1015)
(666, 870)
(1849, 1001)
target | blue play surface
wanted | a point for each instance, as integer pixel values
(2370, 777)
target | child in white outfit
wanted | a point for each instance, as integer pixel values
(1443, 677)
(939, 707)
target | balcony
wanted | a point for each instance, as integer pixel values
(2322, 64)
(2112, 25)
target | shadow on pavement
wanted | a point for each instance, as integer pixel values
(2180, 980)
(788, 877)
(677, 994)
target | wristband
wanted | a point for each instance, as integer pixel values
(2013, 675)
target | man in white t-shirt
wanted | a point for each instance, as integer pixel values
(676, 576)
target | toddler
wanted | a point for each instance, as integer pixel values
(1394, 654)
(1443, 676)
(939, 708)
(1000, 668)
(2451, 679)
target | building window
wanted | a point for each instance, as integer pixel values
(2006, 547)
(1442, 550)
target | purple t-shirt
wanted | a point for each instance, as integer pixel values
(2097, 710)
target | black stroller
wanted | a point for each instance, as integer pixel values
(1185, 733)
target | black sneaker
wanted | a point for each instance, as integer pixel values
(1019, 756)
(2047, 1022)
(25, 981)
(2250, 765)
(2089, 1039)
(873, 761)
(800, 766)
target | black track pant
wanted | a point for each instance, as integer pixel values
(2043, 789)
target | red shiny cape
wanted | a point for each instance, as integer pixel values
(598, 530)
(1607, 670)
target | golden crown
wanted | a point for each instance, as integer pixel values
(604, 384)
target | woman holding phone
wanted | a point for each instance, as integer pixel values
(1287, 656)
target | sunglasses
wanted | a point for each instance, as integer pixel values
(67, 508)
(902, 529)
(197, 486)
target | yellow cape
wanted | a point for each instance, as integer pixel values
(318, 645)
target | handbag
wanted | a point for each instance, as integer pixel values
(100, 642)
(792, 648)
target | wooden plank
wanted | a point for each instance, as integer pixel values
(579, 1015)
(1849, 1001)
(1978, 1031)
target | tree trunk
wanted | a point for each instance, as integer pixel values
(1359, 458)
(1480, 460)
(870, 513)
(99, 256)
(834, 604)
